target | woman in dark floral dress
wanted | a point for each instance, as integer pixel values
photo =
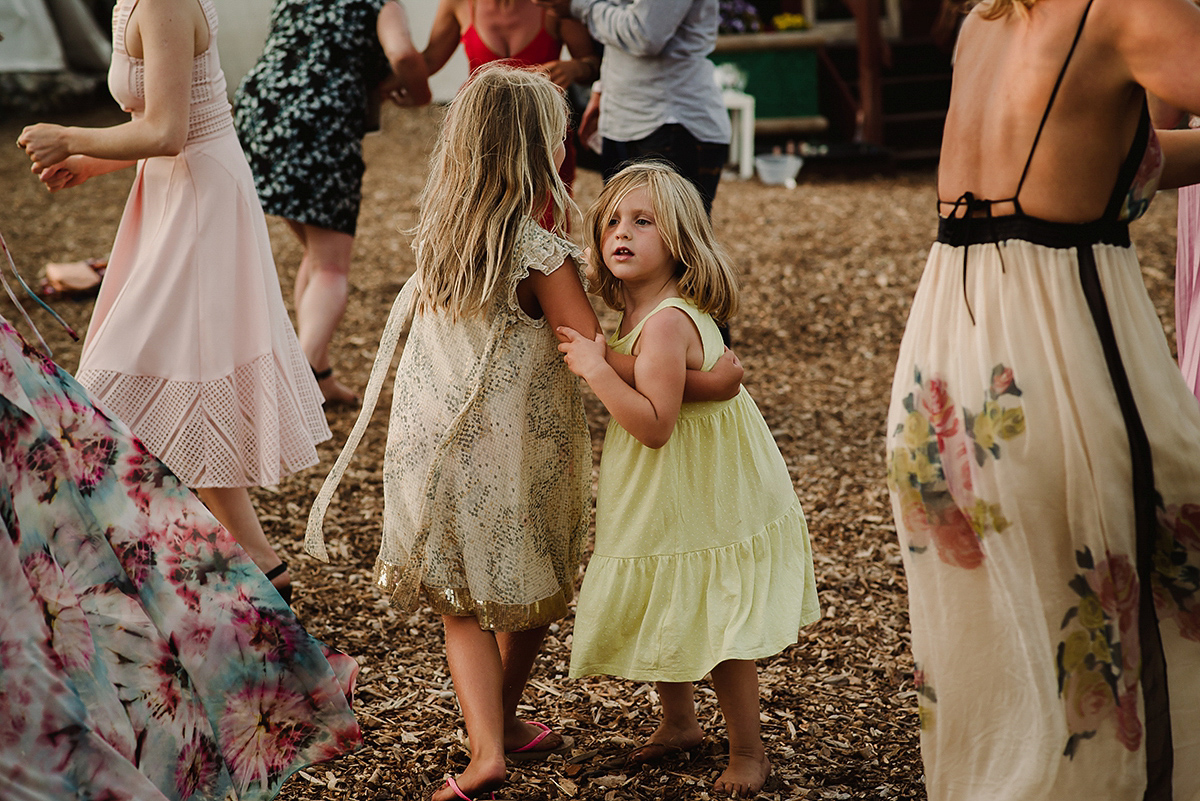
(301, 114)
(142, 654)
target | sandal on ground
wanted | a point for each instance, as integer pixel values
(323, 375)
(453, 785)
(73, 279)
(285, 591)
(530, 750)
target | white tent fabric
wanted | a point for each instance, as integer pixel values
(50, 36)
(244, 25)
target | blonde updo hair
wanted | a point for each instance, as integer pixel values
(492, 172)
(702, 265)
(994, 9)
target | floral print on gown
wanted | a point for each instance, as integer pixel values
(142, 654)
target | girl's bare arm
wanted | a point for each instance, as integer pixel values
(559, 296)
(650, 411)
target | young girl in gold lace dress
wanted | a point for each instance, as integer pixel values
(487, 470)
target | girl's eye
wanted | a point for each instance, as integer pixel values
(644, 221)
(612, 221)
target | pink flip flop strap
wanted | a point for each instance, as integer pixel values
(529, 746)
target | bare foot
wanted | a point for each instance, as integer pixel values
(477, 781)
(336, 393)
(666, 741)
(744, 777)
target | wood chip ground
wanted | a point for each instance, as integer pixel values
(828, 271)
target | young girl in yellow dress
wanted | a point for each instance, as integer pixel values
(487, 470)
(702, 561)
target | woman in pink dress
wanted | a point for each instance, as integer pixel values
(520, 34)
(1187, 258)
(190, 344)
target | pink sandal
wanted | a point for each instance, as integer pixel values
(453, 785)
(530, 750)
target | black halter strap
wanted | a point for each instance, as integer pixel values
(1062, 73)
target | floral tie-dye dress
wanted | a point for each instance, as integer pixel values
(142, 654)
(1044, 466)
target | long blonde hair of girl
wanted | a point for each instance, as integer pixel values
(702, 265)
(491, 172)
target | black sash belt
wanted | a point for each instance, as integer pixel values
(1160, 755)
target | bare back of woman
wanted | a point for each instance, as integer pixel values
(1004, 78)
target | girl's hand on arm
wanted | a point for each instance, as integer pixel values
(584, 357)
(722, 382)
(650, 411)
(565, 73)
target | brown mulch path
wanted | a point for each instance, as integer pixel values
(828, 271)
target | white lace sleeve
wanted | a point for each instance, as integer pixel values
(540, 250)
(398, 323)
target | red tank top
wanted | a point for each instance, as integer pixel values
(542, 49)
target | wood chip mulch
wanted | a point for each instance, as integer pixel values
(828, 271)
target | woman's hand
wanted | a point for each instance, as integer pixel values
(408, 84)
(565, 73)
(584, 357)
(560, 7)
(45, 144)
(68, 173)
(589, 123)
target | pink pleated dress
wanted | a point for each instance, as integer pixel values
(1187, 283)
(190, 344)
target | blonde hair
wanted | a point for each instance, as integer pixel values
(995, 9)
(705, 275)
(491, 170)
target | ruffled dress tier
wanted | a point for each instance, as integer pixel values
(190, 342)
(487, 470)
(702, 552)
(143, 656)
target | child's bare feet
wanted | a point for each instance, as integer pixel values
(666, 741)
(477, 781)
(744, 777)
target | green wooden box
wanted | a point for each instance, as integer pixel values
(781, 70)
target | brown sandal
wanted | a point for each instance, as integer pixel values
(76, 280)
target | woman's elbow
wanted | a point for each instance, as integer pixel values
(170, 145)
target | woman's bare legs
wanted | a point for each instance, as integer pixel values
(322, 287)
(478, 674)
(736, 683)
(232, 507)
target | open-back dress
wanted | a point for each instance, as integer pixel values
(1044, 467)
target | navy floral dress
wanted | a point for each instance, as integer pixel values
(142, 654)
(301, 111)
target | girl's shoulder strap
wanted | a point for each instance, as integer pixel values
(710, 335)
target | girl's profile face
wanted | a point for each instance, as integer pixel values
(633, 249)
(560, 155)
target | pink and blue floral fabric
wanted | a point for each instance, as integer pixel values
(142, 654)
